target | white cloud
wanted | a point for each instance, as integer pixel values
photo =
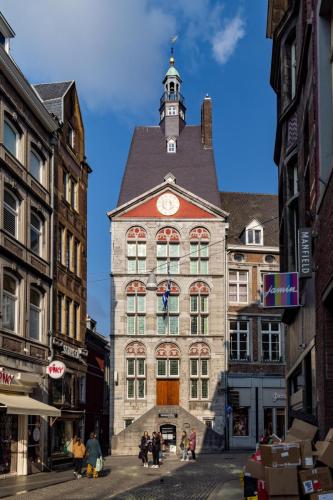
(116, 50)
(225, 40)
(111, 48)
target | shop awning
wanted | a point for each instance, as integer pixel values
(17, 404)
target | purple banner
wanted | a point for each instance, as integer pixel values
(280, 290)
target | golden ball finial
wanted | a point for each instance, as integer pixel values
(172, 61)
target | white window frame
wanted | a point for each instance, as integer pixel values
(168, 371)
(171, 146)
(39, 232)
(136, 257)
(199, 377)
(167, 315)
(39, 311)
(14, 299)
(199, 314)
(270, 332)
(197, 257)
(70, 136)
(13, 212)
(136, 314)
(171, 111)
(238, 283)
(238, 333)
(136, 377)
(163, 260)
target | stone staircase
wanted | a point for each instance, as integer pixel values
(127, 441)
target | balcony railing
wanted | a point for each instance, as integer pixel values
(172, 96)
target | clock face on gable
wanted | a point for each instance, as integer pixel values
(167, 204)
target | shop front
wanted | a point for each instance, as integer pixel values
(259, 406)
(23, 423)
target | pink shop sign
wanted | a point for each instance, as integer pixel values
(6, 378)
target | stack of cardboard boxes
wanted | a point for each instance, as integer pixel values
(291, 470)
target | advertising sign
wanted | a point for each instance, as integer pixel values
(56, 369)
(6, 378)
(280, 290)
(305, 252)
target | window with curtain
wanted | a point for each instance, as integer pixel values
(36, 231)
(167, 250)
(238, 286)
(10, 213)
(136, 308)
(9, 303)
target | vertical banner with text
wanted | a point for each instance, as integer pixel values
(305, 252)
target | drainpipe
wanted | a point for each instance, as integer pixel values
(226, 344)
(111, 352)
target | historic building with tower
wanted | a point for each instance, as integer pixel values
(169, 234)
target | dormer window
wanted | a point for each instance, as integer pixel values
(171, 146)
(254, 234)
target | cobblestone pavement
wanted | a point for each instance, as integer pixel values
(212, 477)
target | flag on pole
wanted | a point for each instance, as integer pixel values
(165, 297)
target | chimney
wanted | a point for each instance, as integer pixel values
(206, 122)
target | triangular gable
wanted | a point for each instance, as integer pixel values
(147, 206)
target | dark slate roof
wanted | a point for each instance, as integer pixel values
(148, 163)
(244, 207)
(52, 96)
(49, 91)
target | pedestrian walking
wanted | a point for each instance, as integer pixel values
(184, 445)
(160, 458)
(78, 450)
(144, 446)
(155, 448)
(193, 443)
(93, 452)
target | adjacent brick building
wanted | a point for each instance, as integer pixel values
(301, 75)
(256, 395)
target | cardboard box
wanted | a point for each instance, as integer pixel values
(312, 481)
(306, 454)
(281, 455)
(327, 495)
(300, 431)
(255, 469)
(325, 452)
(329, 435)
(281, 481)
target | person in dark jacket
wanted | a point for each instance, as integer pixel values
(156, 446)
(93, 452)
(144, 445)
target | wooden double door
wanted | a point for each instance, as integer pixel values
(167, 392)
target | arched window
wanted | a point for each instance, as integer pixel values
(199, 248)
(199, 370)
(36, 165)
(136, 250)
(199, 310)
(11, 138)
(9, 302)
(167, 357)
(35, 314)
(10, 213)
(167, 249)
(168, 310)
(136, 308)
(135, 370)
(36, 229)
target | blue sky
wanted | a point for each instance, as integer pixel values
(117, 51)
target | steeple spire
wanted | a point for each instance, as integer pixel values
(172, 104)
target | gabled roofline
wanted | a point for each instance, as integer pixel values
(5, 27)
(173, 186)
(23, 87)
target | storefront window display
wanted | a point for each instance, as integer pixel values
(8, 443)
(240, 422)
(62, 436)
(34, 448)
(274, 421)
